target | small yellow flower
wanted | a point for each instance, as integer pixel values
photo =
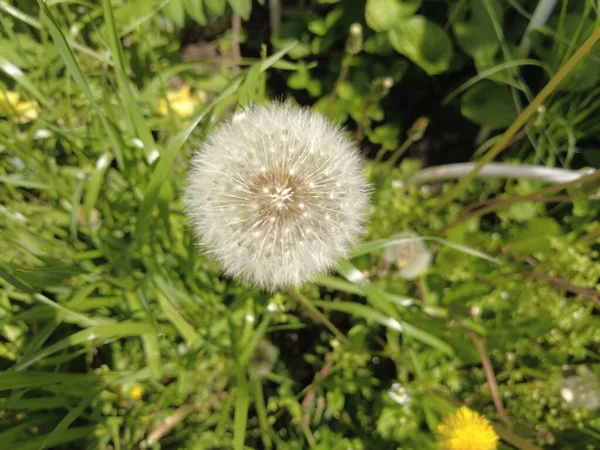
(466, 430)
(18, 111)
(182, 102)
(137, 392)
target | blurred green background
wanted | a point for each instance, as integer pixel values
(115, 333)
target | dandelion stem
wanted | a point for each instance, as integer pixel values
(318, 315)
(489, 374)
(400, 151)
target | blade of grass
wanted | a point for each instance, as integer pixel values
(13, 71)
(378, 244)
(69, 418)
(368, 313)
(240, 416)
(100, 332)
(187, 332)
(93, 191)
(261, 412)
(254, 339)
(520, 121)
(136, 118)
(73, 67)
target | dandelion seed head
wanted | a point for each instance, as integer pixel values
(277, 195)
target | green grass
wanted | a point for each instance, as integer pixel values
(117, 333)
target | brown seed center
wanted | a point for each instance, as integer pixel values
(279, 195)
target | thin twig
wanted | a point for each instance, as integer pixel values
(340, 79)
(489, 374)
(591, 236)
(588, 293)
(310, 394)
(506, 201)
(522, 198)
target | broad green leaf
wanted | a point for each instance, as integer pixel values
(424, 43)
(474, 29)
(489, 104)
(381, 15)
(533, 236)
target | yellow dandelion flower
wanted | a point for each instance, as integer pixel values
(466, 430)
(182, 102)
(137, 392)
(18, 111)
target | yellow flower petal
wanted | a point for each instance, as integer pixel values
(18, 111)
(466, 430)
(181, 102)
(137, 392)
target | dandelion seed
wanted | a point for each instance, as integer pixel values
(466, 430)
(411, 257)
(277, 219)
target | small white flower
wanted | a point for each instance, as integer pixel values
(277, 195)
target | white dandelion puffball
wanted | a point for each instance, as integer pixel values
(412, 257)
(277, 195)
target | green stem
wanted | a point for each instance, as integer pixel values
(305, 302)
(399, 152)
(521, 120)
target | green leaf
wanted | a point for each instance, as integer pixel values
(381, 15)
(424, 43)
(196, 11)
(216, 7)
(533, 236)
(242, 7)
(474, 29)
(174, 10)
(489, 104)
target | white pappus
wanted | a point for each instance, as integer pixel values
(277, 195)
